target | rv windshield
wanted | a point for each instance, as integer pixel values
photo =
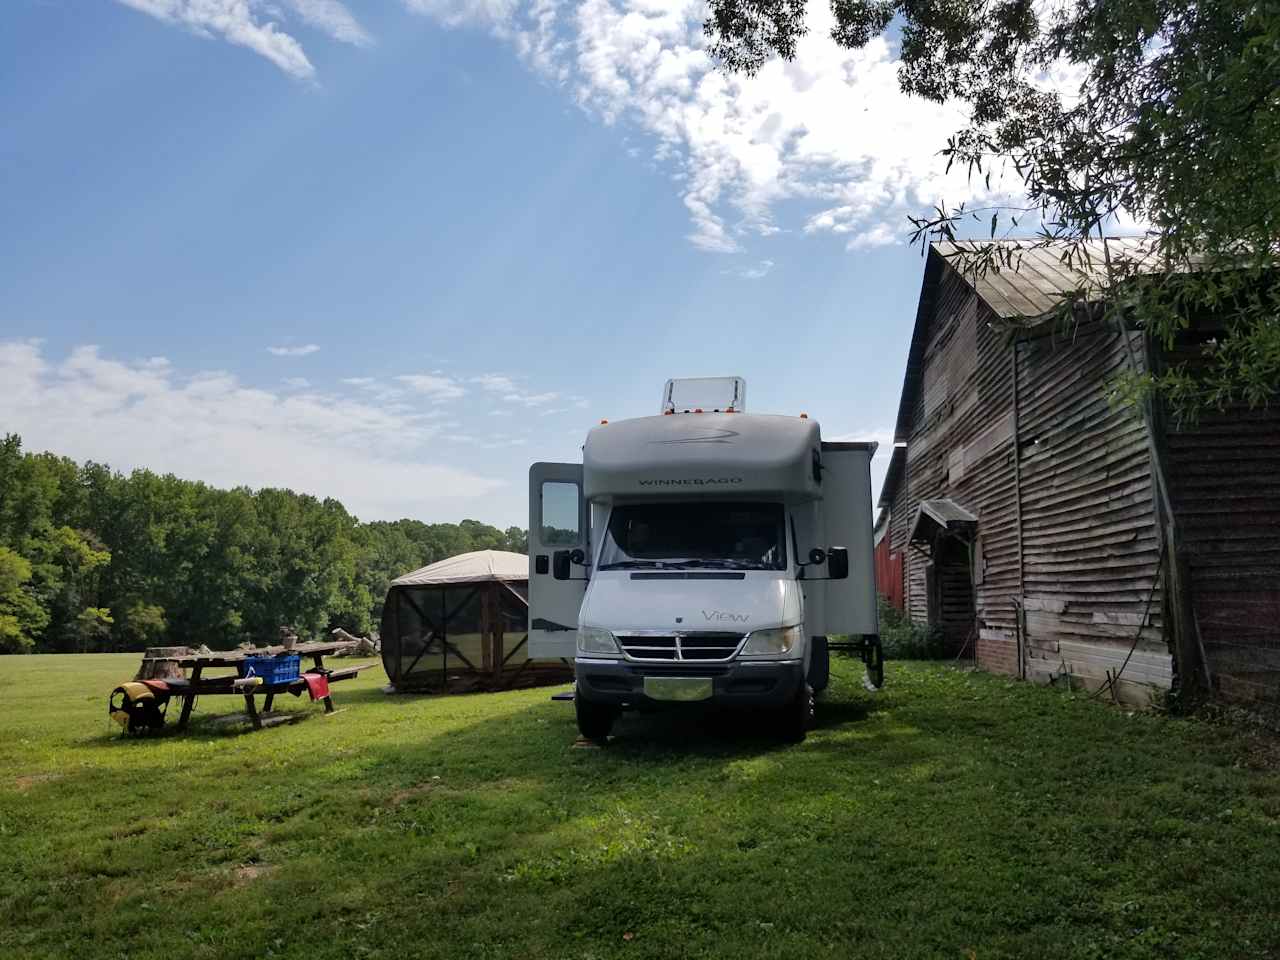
(723, 536)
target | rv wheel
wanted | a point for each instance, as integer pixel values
(874, 658)
(798, 715)
(595, 720)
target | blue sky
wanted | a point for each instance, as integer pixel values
(395, 251)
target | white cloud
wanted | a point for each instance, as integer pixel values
(753, 272)
(359, 381)
(332, 18)
(455, 13)
(375, 458)
(301, 351)
(882, 234)
(297, 383)
(493, 441)
(511, 391)
(254, 24)
(830, 130)
(531, 399)
(433, 386)
(495, 382)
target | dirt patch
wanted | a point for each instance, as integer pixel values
(249, 872)
(412, 793)
(24, 783)
(1262, 752)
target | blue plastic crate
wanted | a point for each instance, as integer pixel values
(280, 669)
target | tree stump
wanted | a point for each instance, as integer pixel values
(153, 669)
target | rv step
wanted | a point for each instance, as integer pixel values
(566, 695)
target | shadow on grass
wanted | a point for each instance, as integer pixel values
(712, 732)
(664, 835)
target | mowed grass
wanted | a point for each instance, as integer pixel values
(952, 815)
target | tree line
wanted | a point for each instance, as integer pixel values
(95, 560)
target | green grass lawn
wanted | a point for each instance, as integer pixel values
(952, 815)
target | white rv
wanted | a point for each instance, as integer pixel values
(703, 554)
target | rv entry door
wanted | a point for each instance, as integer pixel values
(557, 521)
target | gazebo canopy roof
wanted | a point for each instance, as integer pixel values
(478, 566)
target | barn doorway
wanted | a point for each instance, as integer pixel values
(951, 602)
(944, 532)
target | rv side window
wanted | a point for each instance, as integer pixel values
(559, 514)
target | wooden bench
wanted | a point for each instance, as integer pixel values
(195, 684)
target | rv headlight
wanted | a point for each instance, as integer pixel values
(597, 640)
(772, 643)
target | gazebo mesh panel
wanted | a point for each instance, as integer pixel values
(461, 636)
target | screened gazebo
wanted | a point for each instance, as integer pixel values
(463, 624)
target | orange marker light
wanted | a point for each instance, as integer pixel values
(603, 422)
(697, 409)
(730, 410)
(804, 416)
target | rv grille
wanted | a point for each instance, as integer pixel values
(682, 646)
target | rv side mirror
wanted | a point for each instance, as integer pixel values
(560, 561)
(838, 563)
(817, 556)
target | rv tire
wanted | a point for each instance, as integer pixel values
(798, 715)
(595, 720)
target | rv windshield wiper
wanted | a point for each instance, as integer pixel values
(720, 564)
(632, 564)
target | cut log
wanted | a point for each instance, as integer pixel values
(154, 667)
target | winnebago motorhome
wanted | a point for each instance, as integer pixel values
(703, 554)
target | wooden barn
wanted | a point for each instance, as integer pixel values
(1051, 534)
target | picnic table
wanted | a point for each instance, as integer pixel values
(196, 684)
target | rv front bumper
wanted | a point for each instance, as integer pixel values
(745, 683)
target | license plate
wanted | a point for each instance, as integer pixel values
(684, 689)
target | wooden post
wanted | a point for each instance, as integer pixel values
(252, 711)
(318, 660)
(189, 700)
(486, 629)
(498, 628)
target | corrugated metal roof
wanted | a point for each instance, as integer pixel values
(946, 512)
(934, 516)
(1037, 277)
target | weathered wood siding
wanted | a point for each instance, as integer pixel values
(1224, 483)
(1090, 541)
(1066, 524)
(960, 447)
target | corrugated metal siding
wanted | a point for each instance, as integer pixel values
(1090, 543)
(1224, 484)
